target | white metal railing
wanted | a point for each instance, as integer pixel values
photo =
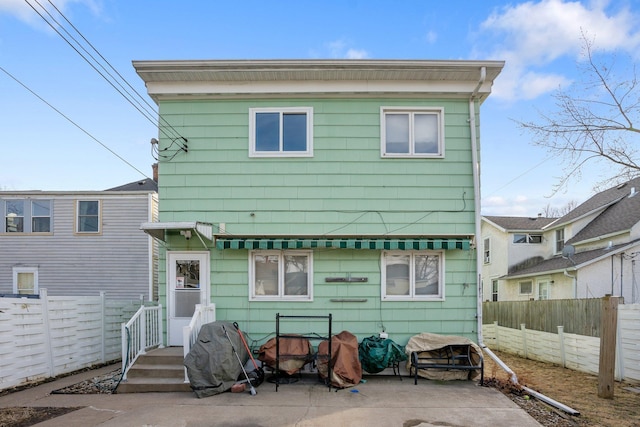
(142, 332)
(202, 315)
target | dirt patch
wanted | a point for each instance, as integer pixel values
(25, 417)
(577, 390)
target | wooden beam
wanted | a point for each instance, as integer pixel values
(606, 370)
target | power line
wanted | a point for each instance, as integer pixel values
(72, 122)
(149, 113)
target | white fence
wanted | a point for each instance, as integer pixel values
(54, 335)
(577, 352)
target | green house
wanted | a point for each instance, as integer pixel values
(316, 187)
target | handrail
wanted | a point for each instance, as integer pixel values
(142, 332)
(202, 315)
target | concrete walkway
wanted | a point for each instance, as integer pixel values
(380, 401)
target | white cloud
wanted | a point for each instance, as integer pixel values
(340, 49)
(530, 36)
(431, 37)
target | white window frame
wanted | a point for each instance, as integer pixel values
(27, 217)
(559, 240)
(33, 270)
(411, 111)
(254, 294)
(33, 216)
(525, 282)
(77, 217)
(528, 238)
(487, 251)
(412, 296)
(495, 290)
(253, 152)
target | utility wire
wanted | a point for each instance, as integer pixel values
(140, 97)
(112, 80)
(72, 122)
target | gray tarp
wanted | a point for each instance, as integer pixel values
(212, 367)
(426, 342)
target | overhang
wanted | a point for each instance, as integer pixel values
(159, 230)
(347, 243)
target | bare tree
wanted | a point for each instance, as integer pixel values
(552, 212)
(596, 121)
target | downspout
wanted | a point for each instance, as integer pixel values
(476, 196)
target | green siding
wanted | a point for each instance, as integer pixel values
(346, 188)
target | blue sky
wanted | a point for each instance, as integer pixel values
(539, 40)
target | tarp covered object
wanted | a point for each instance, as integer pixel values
(294, 354)
(426, 342)
(212, 367)
(376, 354)
(346, 370)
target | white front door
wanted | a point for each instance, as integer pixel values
(188, 280)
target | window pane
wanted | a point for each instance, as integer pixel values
(296, 275)
(397, 280)
(26, 283)
(15, 216)
(41, 208)
(41, 225)
(426, 274)
(397, 133)
(267, 131)
(519, 238)
(294, 132)
(266, 274)
(88, 218)
(426, 133)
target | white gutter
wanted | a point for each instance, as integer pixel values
(478, 218)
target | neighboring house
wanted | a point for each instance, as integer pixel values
(320, 187)
(79, 242)
(590, 252)
(509, 243)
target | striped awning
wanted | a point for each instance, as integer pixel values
(379, 244)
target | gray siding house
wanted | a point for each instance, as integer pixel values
(79, 242)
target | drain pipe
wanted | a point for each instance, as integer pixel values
(476, 195)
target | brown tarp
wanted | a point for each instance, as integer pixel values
(346, 370)
(294, 354)
(426, 342)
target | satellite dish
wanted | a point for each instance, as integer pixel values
(568, 251)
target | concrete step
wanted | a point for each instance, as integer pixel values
(156, 371)
(159, 370)
(153, 385)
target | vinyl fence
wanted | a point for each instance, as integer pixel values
(573, 351)
(53, 335)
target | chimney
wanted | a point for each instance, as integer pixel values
(155, 171)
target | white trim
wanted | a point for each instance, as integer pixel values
(411, 111)
(254, 296)
(308, 111)
(17, 270)
(412, 296)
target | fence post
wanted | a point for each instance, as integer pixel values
(103, 312)
(563, 357)
(495, 324)
(44, 302)
(523, 328)
(606, 368)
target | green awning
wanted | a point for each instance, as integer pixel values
(379, 244)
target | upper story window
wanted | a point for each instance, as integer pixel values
(281, 132)
(281, 275)
(527, 238)
(559, 240)
(487, 251)
(412, 132)
(27, 216)
(412, 275)
(88, 216)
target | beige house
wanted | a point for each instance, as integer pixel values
(588, 253)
